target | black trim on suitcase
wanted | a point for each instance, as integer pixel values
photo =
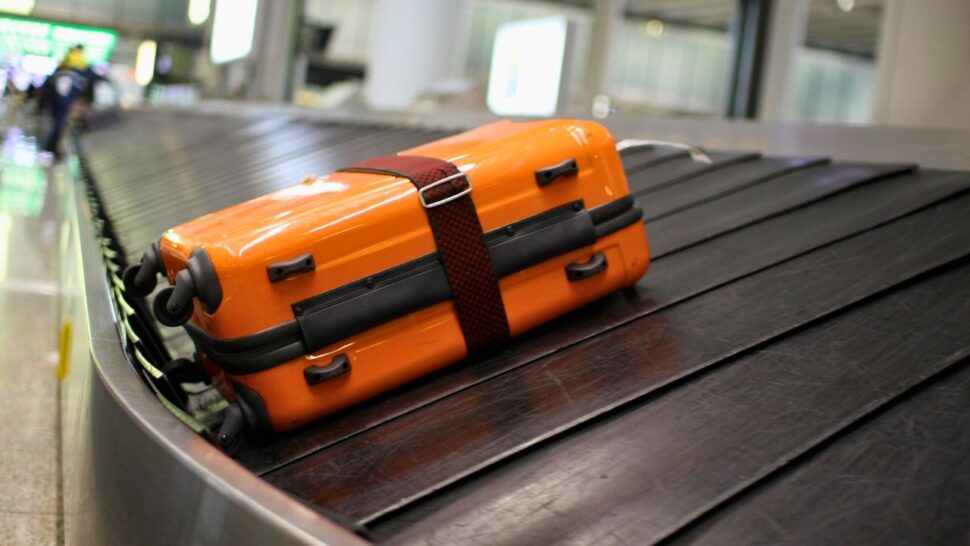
(356, 307)
(618, 222)
(603, 213)
(409, 287)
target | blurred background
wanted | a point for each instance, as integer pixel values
(863, 62)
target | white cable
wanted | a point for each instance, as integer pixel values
(696, 153)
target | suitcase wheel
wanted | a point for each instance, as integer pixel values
(230, 434)
(183, 370)
(161, 307)
(140, 279)
(132, 286)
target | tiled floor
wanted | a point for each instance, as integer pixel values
(29, 498)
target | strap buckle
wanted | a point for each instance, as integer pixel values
(459, 195)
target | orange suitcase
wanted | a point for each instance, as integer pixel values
(325, 294)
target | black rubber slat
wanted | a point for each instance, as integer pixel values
(196, 190)
(680, 168)
(709, 186)
(776, 196)
(146, 138)
(231, 152)
(638, 160)
(669, 280)
(178, 149)
(387, 468)
(902, 477)
(239, 167)
(639, 476)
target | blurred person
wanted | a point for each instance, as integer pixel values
(63, 88)
(12, 96)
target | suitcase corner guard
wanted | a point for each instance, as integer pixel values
(355, 307)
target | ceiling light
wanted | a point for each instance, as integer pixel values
(654, 28)
(145, 62)
(17, 7)
(845, 5)
(526, 74)
(232, 30)
(199, 11)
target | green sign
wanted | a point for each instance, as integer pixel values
(21, 189)
(33, 37)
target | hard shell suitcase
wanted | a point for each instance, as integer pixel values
(322, 295)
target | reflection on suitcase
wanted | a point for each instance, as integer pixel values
(317, 297)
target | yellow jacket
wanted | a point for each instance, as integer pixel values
(75, 60)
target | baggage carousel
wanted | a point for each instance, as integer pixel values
(792, 368)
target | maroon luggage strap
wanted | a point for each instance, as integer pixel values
(444, 192)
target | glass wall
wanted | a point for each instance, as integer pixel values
(666, 57)
(835, 68)
(832, 87)
(485, 16)
(351, 22)
(670, 67)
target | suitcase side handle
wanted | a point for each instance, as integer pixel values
(278, 271)
(548, 175)
(318, 374)
(584, 270)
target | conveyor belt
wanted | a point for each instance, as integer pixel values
(798, 310)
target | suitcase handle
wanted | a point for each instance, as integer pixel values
(579, 271)
(318, 374)
(547, 175)
(281, 270)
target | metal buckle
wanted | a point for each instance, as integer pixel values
(424, 202)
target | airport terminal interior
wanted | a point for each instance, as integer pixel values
(476, 272)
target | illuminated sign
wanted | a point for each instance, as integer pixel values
(44, 39)
(232, 30)
(526, 76)
(18, 7)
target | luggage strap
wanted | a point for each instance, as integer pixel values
(444, 192)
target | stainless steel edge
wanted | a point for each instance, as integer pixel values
(133, 473)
